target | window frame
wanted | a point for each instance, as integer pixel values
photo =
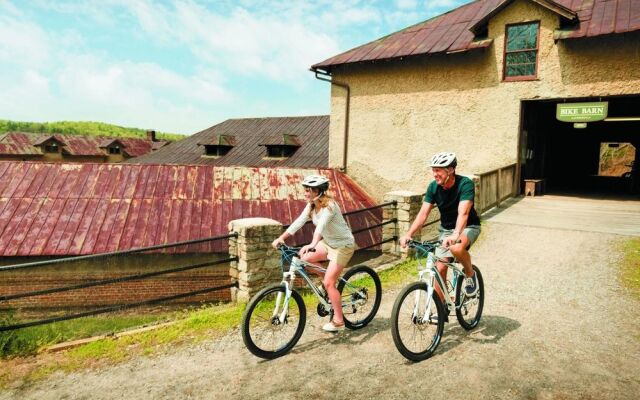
(114, 150)
(283, 150)
(51, 148)
(216, 151)
(533, 77)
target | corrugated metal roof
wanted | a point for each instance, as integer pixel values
(312, 135)
(73, 209)
(452, 32)
(601, 17)
(20, 143)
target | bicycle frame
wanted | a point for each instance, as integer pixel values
(299, 266)
(435, 278)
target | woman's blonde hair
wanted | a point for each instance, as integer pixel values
(324, 201)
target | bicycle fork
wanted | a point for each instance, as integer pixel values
(290, 275)
(425, 318)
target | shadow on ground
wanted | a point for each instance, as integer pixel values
(352, 337)
(491, 330)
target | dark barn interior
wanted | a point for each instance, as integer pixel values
(568, 159)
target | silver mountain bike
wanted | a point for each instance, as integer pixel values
(274, 319)
(418, 314)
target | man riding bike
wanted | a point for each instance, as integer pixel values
(460, 225)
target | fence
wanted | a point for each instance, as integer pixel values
(109, 280)
(495, 187)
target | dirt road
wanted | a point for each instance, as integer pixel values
(556, 325)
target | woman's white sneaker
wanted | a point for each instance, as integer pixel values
(331, 327)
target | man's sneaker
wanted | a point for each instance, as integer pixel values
(332, 327)
(471, 285)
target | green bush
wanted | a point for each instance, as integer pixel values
(81, 128)
(20, 342)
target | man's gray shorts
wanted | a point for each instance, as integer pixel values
(472, 232)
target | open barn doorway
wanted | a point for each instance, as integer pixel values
(593, 158)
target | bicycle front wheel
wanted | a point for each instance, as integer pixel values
(264, 330)
(361, 293)
(469, 308)
(415, 334)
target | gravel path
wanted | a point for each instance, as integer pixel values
(556, 325)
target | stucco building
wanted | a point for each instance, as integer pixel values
(485, 81)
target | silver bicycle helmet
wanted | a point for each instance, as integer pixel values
(317, 182)
(444, 159)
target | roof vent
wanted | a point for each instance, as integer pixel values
(218, 146)
(281, 145)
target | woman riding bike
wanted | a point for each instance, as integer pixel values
(332, 240)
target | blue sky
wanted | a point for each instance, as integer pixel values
(181, 66)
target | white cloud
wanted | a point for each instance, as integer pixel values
(54, 74)
(22, 42)
(7, 8)
(444, 5)
(275, 46)
(406, 4)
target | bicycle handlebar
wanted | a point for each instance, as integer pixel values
(426, 246)
(283, 247)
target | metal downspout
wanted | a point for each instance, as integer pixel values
(324, 77)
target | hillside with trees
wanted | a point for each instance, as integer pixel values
(81, 128)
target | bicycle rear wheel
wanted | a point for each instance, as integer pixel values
(262, 331)
(361, 293)
(416, 335)
(470, 308)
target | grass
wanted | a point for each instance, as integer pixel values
(28, 341)
(630, 273)
(189, 326)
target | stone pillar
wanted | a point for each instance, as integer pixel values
(406, 210)
(258, 263)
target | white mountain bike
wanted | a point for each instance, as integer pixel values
(418, 315)
(274, 319)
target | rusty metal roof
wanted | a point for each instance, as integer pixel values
(312, 136)
(86, 208)
(453, 31)
(20, 143)
(601, 17)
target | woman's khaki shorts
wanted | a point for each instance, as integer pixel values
(341, 255)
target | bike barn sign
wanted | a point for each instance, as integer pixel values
(582, 112)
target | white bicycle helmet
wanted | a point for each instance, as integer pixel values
(444, 159)
(317, 182)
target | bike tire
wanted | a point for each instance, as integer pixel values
(258, 324)
(406, 326)
(469, 310)
(361, 293)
